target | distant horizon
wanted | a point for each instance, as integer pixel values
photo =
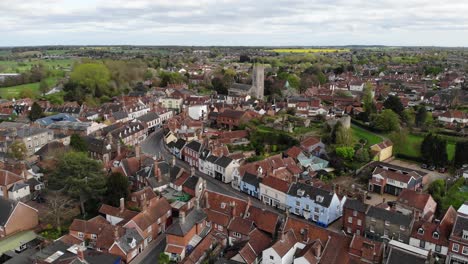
(400, 23)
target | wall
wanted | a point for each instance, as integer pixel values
(23, 218)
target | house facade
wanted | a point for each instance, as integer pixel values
(191, 153)
(273, 192)
(384, 225)
(315, 204)
(393, 181)
(16, 217)
(354, 217)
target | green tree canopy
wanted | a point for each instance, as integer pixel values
(461, 154)
(394, 103)
(386, 121)
(434, 150)
(78, 143)
(36, 112)
(89, 79)
(18, 150)
(421, 116)
(117, 187)
(79, 176)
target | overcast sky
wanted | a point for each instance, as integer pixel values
(234, 22)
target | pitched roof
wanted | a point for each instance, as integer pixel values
(241, 225)
(397, 256)
(194, 145)
(285, 243)
(355, 204)
(182, 227)
(8, 177)
(294, 151)
(309, 142)
(264, 220)
(258, 241)
(276, 184)
(6, 208)
(391, 216)
(125, 214)
(414, 199)
(303, 190)
(251, 179)
(223, 161)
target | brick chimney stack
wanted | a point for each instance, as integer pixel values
(122, 204)
(80, 253)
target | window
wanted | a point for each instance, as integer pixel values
(298, 203)
(435, 235)
(420, 231)
(208, 224)
(387, 223)
(238, 235)
(354, 213)
(350, 220)
(465, 235)
(359, 222)
(371, 228)
(402, 228)
(297, 210)
(307, 207)
(272, 258)
(438, 248)
(358, 232)
(80, 235)
(220, 228)
(223, 205)
(349, 230)
(385, 232)
(93, 236)
(455, 247)
(422, 243)
(465, 251)
(316, 209)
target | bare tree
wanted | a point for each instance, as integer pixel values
(58, 205)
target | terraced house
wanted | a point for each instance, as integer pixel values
(315, 204)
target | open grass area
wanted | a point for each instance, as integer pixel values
(456, 195)
(25, 65)
(414, 145)
(14, 91)
(309, 50)
(370, 137)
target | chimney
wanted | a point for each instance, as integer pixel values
(143, 202)
(173, 161)
(122, 204)
(137, 150)
(119, 148)
(207, 201)
(317, 249)
(182, 216)
(233, 208)
(116, 234)
(80, 253)
(247, 208)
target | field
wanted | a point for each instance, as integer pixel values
(371, 138)
(14, 91)
(24, 65)
(309, 50)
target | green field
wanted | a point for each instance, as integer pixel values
(14, 91)
(309, 50)
(414, 145)
(360, 133)
(25, 65)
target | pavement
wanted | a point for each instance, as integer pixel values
(151, 254)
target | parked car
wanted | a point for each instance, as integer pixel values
(432, 168)
(442, 170)
(423, 166)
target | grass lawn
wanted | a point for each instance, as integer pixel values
(14, 91)
(414, 145)
(25, 65)
(360, 133)
(456, 195)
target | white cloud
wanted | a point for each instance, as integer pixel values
(234, 22)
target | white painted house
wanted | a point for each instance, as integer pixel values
(282, 252)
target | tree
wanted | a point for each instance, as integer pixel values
(344, 136)
(421, 116)
(78, 176)
(434, 150)
(399, 138)
(26, 93)
(163, 258)
(461, 154)
(88, 79)
(78, 143)
(36, 112)
(345, 152)
(58, 207)
(386, 121)
(18, 150)
(117, 187)
(362, 155)
(44, 86)
(394, 103)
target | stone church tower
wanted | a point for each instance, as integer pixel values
(258, 78)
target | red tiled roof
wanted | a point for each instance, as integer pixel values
(125, 214)
(293, 152)
(414, 199)
(276, 184)
(310, 141)
(263, 219)
(240, 225)
(217, 217)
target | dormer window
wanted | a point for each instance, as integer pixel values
(421, 231)
(435, 235)
(465, 234)
(300, 192)
(223, 205)
(319, 198)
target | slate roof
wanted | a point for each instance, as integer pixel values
(194, 145)
(391, 216)
(148, 117)
(181, 228)
(45, 121)
(355, 204)
(211, 159)
(251, 179)
(223, 161)
(6, 208)
(180, 143)
(130, 234)
(398, 256)
(312, 192)
(191, 182)
(461, 223)
(17, 186)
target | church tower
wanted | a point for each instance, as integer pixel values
(258, 78)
